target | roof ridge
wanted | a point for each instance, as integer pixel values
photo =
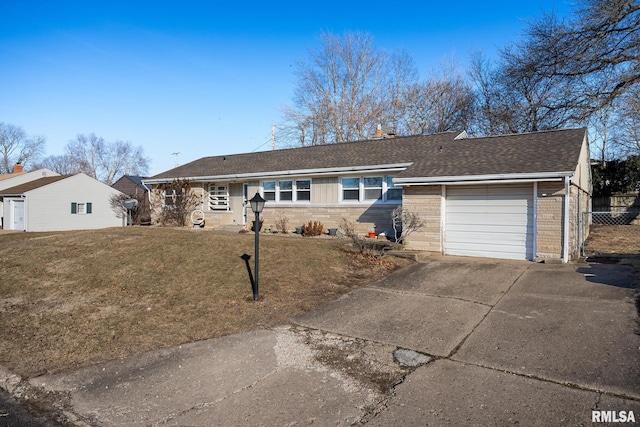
(524, 133)
(361, 141)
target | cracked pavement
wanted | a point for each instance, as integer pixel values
(444, 342)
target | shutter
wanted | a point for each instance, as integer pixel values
(74, 208)
(89, 207)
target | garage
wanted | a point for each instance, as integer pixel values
(495, 221)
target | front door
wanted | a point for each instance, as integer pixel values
(17, 211)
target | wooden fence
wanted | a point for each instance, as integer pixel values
(629, 202)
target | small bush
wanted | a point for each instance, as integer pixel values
(282, 222)
(405, 223)
(313, 228)
(253, 225)
(176, 200)
(368, 248)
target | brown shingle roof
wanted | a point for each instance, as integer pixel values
(31, 185)
(537, 152)
(352, 154)
(436, 155)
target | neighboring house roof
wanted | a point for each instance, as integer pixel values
(31, 185)
(12, 180)
(399, 150)
(10, 175)
(137, 180)
(128, 184)
(450, 154)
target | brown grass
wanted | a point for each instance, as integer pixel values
(613, 239)
(72, 299)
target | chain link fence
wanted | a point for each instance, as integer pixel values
(604, 218)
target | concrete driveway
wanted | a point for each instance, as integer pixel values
(506, 343)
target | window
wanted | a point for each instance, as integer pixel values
(168, 197)
(373, 188)
(269, 190)
(351, 189)
(218, 197)
(303, 190)
(81, 208)
(287, 190)
(370, 188)
(393, 192)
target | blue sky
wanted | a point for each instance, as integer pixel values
(202, 78)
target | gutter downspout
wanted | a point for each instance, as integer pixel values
(144, 184)
(565, 239)
(534, 255)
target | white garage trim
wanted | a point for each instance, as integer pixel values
(469, 179)
(494, 221)
(535, 220)
(565, 225)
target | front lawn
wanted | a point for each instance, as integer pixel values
(72, 299)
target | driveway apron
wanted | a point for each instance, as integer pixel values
(430, 308)
(567, 324)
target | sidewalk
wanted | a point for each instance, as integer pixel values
(482, 343)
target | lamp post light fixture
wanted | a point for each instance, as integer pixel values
(257, 204)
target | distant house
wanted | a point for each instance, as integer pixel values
(19, 176)
(60, 202)
(133, 187)
(512, 196)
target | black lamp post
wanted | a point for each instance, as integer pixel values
(257, 204)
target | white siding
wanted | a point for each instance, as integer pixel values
(494, 221)
(25, 177)
(48, 208)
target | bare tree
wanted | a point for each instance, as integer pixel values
(491, 116)
(601, 143)
(344, 90)
(121, 157)
(177, 201)
(442, 103)
(139, 215)
(85, 151)
(627, 130)
(405, 222)
(16, 146)
(598, 49)
(404, 75)
(63, 164)
(513, 97)
(105, 161)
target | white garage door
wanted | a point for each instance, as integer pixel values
(493, 221)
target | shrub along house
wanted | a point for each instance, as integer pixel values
(498, 197)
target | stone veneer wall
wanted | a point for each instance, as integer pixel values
(427, 202)
(550, 219)
(376, 217)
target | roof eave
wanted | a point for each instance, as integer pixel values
(296, 172)
(490, 178)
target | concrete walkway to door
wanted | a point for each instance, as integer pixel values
(502, 343)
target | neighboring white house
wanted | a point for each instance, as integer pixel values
(19, 177)
(56, 203)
